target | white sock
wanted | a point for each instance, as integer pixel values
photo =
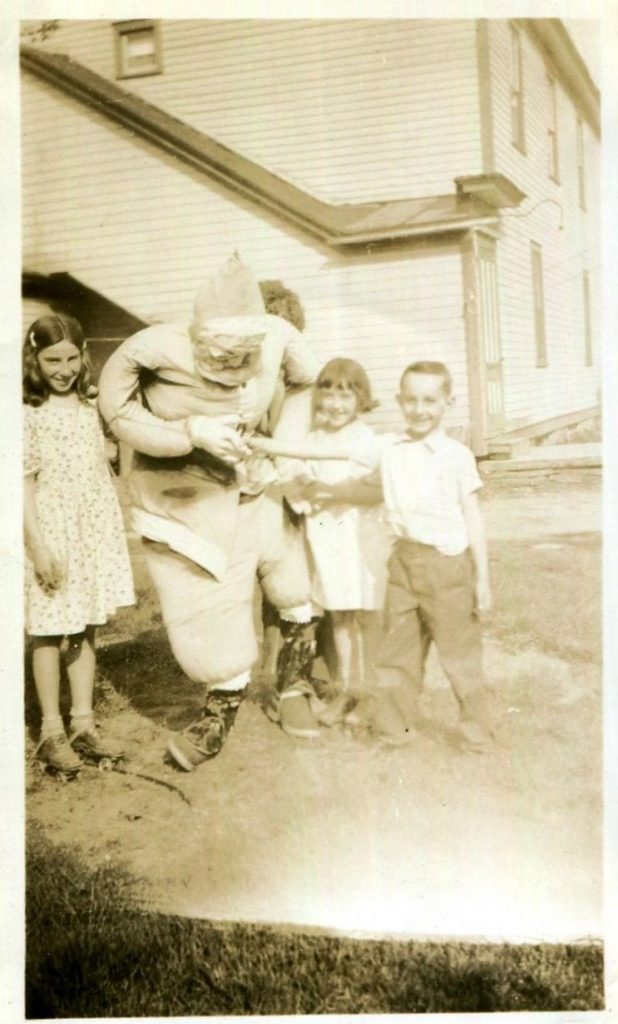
(238, 682)
(299, 613)
(81, 721)
(51, 725)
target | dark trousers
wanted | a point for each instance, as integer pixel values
(430, 596)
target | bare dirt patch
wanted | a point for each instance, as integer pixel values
(340, 833)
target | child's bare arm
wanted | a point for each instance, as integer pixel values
(303, 449)
(346, 492)
(46, 565)
(478, 546)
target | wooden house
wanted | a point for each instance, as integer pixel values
(429, 188)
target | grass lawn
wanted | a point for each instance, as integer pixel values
(547, 595)
(90, 953)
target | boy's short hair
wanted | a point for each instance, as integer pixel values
(435, 369)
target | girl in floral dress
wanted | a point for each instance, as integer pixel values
(77, 566)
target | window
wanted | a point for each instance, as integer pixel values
(138, 49)
(581, 169)
(587, 320)
(517, 92)
(552, 130)
(538, 299)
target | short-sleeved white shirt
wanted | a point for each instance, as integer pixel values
(425, 484)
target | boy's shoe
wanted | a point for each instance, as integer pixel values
(296, 717)
(387, 721)
(57, 754)
(88, 744)
(204, 738)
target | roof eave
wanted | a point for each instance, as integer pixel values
(332, 224)
(552, 34)
(401, 234)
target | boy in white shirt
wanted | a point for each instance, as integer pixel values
(438, 571)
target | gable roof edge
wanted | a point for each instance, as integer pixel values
(333, 224)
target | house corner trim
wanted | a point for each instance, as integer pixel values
(474, 355)
(484, 85)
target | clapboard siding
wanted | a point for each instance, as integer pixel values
(350, 110)
(566, 384)
(31, 310)
(145, 230)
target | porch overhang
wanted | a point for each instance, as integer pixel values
(496, 190)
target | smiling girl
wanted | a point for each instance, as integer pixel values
(340, 494)
(77, 565)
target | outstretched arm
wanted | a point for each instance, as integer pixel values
(305, 449)
(364, 491)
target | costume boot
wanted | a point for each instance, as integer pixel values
(291, 708)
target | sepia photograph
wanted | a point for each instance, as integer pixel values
(310, 471)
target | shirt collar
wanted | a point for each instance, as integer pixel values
(433, 443)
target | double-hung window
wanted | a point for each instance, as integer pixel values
(588, 357)
(538, 301)
(581, 163)
(517, 90)
(138, 48)
(552, 130)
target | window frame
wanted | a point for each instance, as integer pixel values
(587, 316)
(552, 130)
(538, 305)
(580, 150)
(516, 90)
(122, 31)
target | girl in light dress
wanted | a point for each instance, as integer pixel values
(340, 495)
(77, 562)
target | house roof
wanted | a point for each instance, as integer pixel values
(552, 34)
(98, 315)
(335, 224)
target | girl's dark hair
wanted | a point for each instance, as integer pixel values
(46, 331)
(348, 375)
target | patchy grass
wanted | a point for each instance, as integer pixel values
(547, 596)
(90, 953)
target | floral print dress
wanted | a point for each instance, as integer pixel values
(79, 518)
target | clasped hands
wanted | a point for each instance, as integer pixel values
(221, 436)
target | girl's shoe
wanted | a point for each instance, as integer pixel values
(335, 711)
(292, 711)
(88, 744)
(205, 737)
(56, 754)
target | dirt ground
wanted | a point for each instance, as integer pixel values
(341, 833)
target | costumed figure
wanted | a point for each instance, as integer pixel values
(185, 398)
